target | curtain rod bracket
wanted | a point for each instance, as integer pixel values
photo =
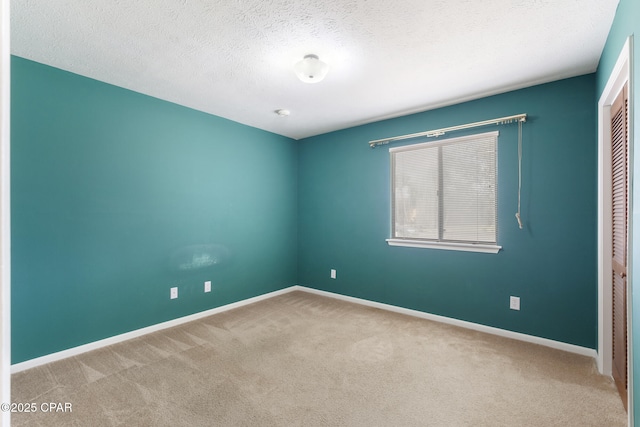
(435, 134)
(373, 144)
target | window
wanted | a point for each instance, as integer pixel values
(444, 194)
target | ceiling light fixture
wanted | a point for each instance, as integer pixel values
(311, 69)
(282, 112)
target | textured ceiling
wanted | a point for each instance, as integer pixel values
(234, 58)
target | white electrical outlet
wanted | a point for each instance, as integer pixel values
(174, 292)
(514, 303)
(333, 273)
(207, 286)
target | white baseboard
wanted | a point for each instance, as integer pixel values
(32, 363)
(468, 325)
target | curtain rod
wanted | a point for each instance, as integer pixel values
(439, 132)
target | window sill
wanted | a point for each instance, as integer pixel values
(447, 246)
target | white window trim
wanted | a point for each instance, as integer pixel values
(448, 246)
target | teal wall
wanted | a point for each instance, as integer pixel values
(113, 195)
(625, 24)
(344, 219)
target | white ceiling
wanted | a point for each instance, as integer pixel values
(234, 58)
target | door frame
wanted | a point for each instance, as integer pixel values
(5, 226)
(620, 76)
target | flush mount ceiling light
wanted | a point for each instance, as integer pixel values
(311, 69)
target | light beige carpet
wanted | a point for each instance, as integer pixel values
(305, 360)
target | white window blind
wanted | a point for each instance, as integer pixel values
(445, 191)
